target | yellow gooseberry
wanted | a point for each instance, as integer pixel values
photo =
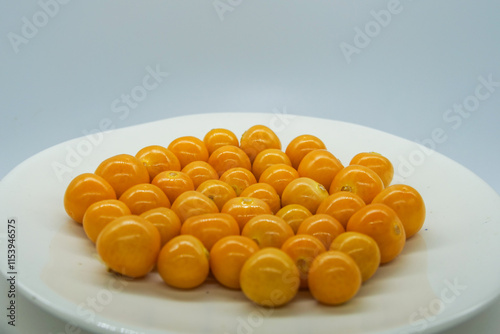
(294, 215)
(279, 176)
(264, 192)
(267, 158)
(376, 162)
(143, 197)
(218, 191)
(227, 257)
(123, 171)
(188, 149)
(304, 191)
(300, 146)
(341, 206)
(380, 222)
(199, 172)
(363, 250)
(322, 226)
(267, 230)
(321, 166)
(217, 138)
(129, 245)
(258, 138)
(238, 178)
(227, 157)
(183, 262)
(210, 227)
(303, 249)
(334, 278)
(408, 204)
(83, 191)
(166, 221)
(245, 208)
(270, 278)
(158, 159)
(173, 183)
(192, 203)
(100, 214)
(358, 179)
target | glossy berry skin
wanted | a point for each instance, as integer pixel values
(217, 138)
(192, 203)
(122, 172)
(264, 192)
(267, 230)
(228, 256)
(199, 172)
(218, 191)
(294, 215)
(227, 157)
(166, 221)
(362, 248)
(129, 245)
(143, 197)
(238, 178)
(158, 159)
(210, 227)
(270, 278)
(359, 180)
(376, 162)
(279, 176)
(382, 224)
(321, 166)
(267, 158)
(334, 278)
(183, 262)
(408, 204)
(83, 191)
(302, 145)
(304, 191)
(258, 138)
(173, 183)
(322, 226)
(341, 206)
(188, 149)
(245, 208)
(303, 249)
(100, 214)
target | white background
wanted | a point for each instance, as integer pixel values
(69, 74)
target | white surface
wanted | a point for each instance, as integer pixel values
(63, 275)
(263, 57)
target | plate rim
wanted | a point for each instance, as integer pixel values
(60, 313)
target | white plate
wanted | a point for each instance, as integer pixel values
(447, 273)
